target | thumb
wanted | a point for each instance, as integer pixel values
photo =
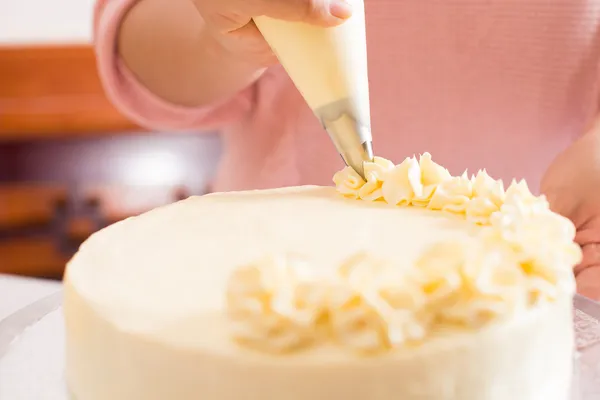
(316, 12)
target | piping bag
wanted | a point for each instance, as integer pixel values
(329, 68)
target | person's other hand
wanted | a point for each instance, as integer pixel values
(231, 20)
(572, 186)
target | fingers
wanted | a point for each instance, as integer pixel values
(591, 257)
(588, 282)
(587, 236)
(316, 12)
(233, 15)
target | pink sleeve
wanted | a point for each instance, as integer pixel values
(134, 100)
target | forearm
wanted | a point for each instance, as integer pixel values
(165, 44)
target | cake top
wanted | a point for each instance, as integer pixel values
(520, 258)
(363, 268)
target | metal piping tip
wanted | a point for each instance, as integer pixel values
(350, 135)
(356, 157)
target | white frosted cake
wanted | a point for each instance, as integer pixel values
(411, 285)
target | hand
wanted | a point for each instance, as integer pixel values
(572, 185)
(231, 20)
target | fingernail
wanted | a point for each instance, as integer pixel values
(340, 9)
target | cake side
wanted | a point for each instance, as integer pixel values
(524, 360)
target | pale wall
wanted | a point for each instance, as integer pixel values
(45, 21)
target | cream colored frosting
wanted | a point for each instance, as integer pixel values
(275, 303)
(523, 256)
(418, 304)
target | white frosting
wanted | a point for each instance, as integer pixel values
(403, 183)
(521, 258)
(445, 308)
(283, 305)
(453, 195)
(487, 198)
(275, 304)
(375, 173)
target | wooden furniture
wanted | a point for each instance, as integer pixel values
(24, 206)
(38, 257)
(50, 97)
(52, 92)
(118, 202)
(41, 225)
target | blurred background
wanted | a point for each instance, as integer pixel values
(70, 164)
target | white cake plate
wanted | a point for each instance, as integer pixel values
(32, 353)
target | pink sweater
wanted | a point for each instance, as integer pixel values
(498, 84)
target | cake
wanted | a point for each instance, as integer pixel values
(411, 284)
